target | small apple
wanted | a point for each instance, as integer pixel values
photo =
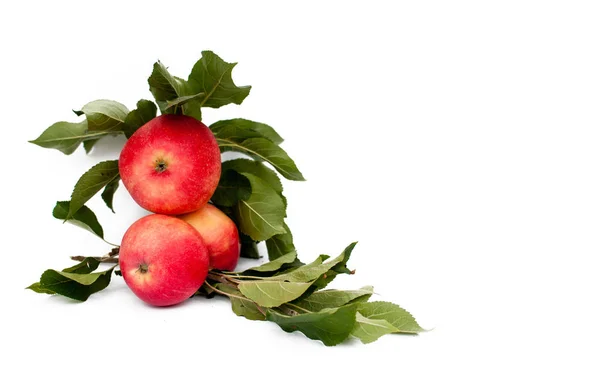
(163, 259)
(171, 165)
(219, 234)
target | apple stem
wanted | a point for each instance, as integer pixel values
(143, 268)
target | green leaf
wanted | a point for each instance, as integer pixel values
(280, 244)
(88, 265)
(322, 281)
(232, 188)
(317, 268)
(109, 193)
(89, 144)
(249, 248)
(398, 317)
(64, 136)
(104, 118)
(240, 305)
(172, 92)
(306, 273)
(73, 285)
(330, 275)
(209, 84)
(368, 330)
(212, 76)
(333, 298)
(36, 287)
(192, 108)
(341, 267)
(263, 150)
(270, 293)
(105, 115)
(183, 100)
(91, 182)
(145, 112)
(332, 325)
(84, 217)
(261, 215)
(163, 85)
(255, 168)
(241, 129)
(274, 265)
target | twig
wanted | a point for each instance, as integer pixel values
(235, 296)
(222, 278)
(110, 257)
(106, 259)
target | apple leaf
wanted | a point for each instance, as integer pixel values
(331, 326)
(240, 305)
(263, 150)
(398, 317)
(256, 168)
(66, 136)
(368, 330)
(317, 268)
(83, 217)
(274, 265)
(375, 319)
(89, 144)
(145, 111)
(174, 103)
(164, 86)
(310, 272)
(261, 215)
(78, 286)
(270, 293)
(280, 244)
(240, 128)
(209, 84)
(91, 182)
(109, 193)
(88, 265)
(36, 287)
(248, 248)
(232, 188)
(333, 298)
(322, 281)
(192, 108)
(212, 75)
(104, 115)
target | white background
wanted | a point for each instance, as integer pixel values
(456, 141)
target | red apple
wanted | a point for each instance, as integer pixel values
(219, 234)
(163, 259)
(171, 165)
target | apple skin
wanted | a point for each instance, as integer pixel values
(220, 235)
(171, 165)
(163, 259)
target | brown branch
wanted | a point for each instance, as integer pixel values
(106, 259)
(222, 278)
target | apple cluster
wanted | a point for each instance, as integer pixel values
(171, 166)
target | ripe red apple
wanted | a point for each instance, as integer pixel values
(219, 234)
(171, 165)
(163, 259)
